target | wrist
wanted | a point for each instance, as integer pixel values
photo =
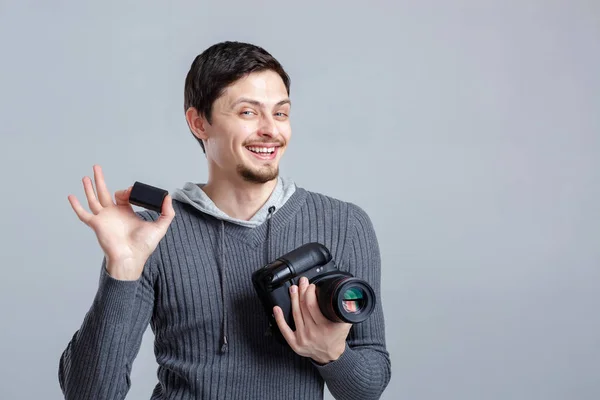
(332, 356)
(124, 270)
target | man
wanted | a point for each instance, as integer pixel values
(187, 270)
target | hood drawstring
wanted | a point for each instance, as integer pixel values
(224, 344)
(269, 219)
(268, 251)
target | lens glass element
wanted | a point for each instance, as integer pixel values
(353, 300)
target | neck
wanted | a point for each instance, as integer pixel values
(238, 198)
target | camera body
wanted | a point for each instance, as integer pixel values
(341, 296)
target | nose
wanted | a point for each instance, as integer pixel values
(267, 127)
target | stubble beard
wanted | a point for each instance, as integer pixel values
(262, 175)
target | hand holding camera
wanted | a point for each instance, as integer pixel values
(126, 239)
(310, 303)
(314, 336)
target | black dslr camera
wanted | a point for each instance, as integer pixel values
(341, 296)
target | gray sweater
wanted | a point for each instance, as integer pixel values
(209, 326)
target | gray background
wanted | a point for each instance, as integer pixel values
(468, 130)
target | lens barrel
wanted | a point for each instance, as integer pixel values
(345, 299)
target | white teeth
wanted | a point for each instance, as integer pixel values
(261, 149)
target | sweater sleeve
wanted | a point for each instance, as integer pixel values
(97, 361)
(363, 371)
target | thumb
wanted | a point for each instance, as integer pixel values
(122, 196)
(167, 213)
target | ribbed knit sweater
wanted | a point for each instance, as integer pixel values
(197, 295)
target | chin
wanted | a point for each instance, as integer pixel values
(258, 175)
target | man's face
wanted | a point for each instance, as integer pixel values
(250, 127)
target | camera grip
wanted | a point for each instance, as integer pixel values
(281, 298)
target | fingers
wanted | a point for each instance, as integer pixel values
(303, 304)
(312, 306)
(103, 194)
(284, 328)
(93, 202)
(296, 312)
(167, 213)
(82, 214)
(122, 196)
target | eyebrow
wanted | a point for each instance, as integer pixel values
(258, 103)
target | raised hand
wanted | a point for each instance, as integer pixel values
(126, 239)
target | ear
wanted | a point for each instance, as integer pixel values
(197, 123)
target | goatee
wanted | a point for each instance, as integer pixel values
(262, 175)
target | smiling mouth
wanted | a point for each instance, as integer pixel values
(261, 150)
(264, 153)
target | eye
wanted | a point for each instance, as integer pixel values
(281, 115)
(247, 112)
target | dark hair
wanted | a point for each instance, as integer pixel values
(221, 65)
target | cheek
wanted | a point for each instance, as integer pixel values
(245, 130)
(233, 135)
(286, 131)
(237, 134)
(221, 147)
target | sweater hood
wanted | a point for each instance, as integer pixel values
(192, 194)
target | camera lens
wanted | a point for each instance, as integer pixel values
(345, 299)
(354, 300)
